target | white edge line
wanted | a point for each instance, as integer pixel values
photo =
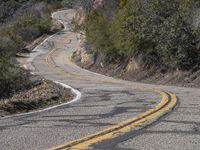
(76, 92)
(30, 60)
(77, 97)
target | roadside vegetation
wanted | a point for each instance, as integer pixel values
(161, 32)
(21, 21)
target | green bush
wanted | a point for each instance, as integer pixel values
(97, 33)
(122, 3)
(12, 77)
(22, 29)
(67, 3)
(157, 30)
(44, 24)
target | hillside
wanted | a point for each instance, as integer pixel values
(23, 25)
(154, 41)
(21, 22)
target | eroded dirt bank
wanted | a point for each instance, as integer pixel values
(40, 94)
(133, 69)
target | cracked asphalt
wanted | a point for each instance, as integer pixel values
(105, 102)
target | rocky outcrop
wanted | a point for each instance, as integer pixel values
(42, 94)
(55, 26)
(132, 65)
(83, 55)
(80, 16)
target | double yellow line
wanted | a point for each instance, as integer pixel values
(167, 103)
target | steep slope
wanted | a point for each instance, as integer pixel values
(21, 23)
(105, 102)
(162, 50)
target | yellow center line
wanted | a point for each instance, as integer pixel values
(167, 103)
(68, 74)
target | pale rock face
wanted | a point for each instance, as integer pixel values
(55, 26)
(105, 7)
(87, 58)
(80, 16)
(82, 54)
(132, 66)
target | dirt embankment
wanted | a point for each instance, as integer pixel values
(128, 68)
(133, 69)
(41, 94)
(38, 93)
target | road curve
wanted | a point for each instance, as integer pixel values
(105, 102)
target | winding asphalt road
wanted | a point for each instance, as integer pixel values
(105, 102)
